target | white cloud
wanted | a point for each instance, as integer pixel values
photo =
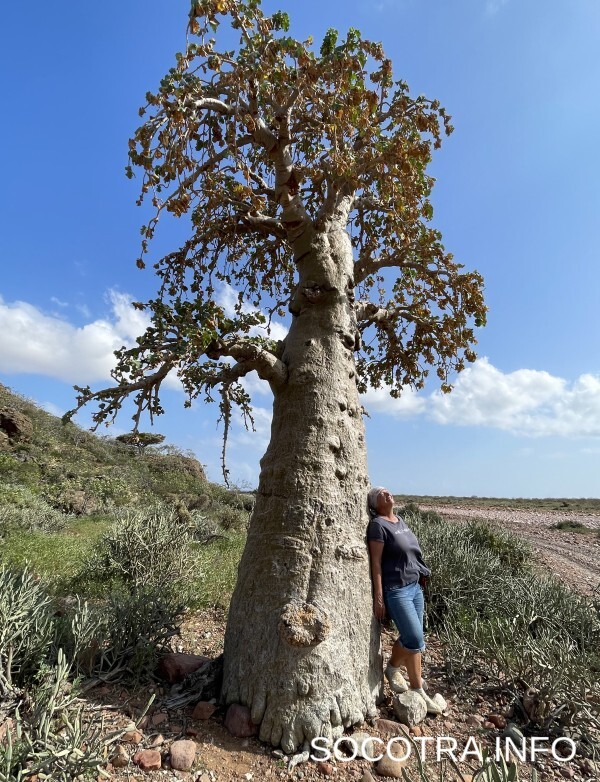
(36, 343)
(227, 297)
(129, 322)
(493, 6)
(256, 439)
(526, 402)
(378, 400)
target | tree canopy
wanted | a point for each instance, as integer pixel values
(261, 140)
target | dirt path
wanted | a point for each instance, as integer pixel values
(573, 556)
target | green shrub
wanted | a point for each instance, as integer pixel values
(572, 526)
(53, 740)
(218, 571)
(229, 517)
(21, 506)
(26, 627)
(140, 550)
(513, 553)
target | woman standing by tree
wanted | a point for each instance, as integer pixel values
(398, 572)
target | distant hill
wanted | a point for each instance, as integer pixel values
(48, 469)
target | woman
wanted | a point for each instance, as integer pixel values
(398, 570)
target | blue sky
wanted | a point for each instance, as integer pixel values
(517, 198)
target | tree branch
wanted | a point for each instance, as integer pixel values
(368, 314)
(365, 268)
(146, 399)
(249, 357)
(264, 222)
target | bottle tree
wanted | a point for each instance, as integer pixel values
(302, 169)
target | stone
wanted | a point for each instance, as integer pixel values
(588, 767)
(4, 442)
(119, 758)
(386, 767)
(440, 701)
(132, 737)
(367, 777)
(148, 760)
(204, 778)
(5, 728)
(297, 759)
(183, 754)
(326, 769)
(157, 740)
(416, 730)
(409, 707)
(474, 720)
(159, 718)
(489, 725)
(174, 667)
(389, 727)
(15, 425)
(203, 710)
(498, 720)
(360, 738)
(512, 732)
(238, 722)
(79, 502)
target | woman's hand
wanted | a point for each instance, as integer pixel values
(379, 607)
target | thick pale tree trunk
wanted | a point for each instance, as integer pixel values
(302, 647)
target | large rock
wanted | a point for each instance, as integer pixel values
(238, 722)
(361, 740)
(17, 426)
(6, 727)
(390, 728)
(409, 707)
(4, 442)
(148, 760)
(203, 710)
(79, 502)
(183, 754)
(386, 767)
(174, 667)
(119, 758)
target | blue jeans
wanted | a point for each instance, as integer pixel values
(406, 605)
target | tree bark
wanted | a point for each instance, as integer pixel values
(302, 647)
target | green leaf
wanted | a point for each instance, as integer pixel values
(329, 42)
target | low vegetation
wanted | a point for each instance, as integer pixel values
(501, 622)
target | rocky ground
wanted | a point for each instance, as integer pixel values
(478, 710)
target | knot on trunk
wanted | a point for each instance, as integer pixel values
(303, 624)
(351, 552)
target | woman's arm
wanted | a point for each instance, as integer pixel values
(375, 552)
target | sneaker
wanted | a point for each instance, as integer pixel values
(432, 706)
(396, 680)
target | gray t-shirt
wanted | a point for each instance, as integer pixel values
(401, 559)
